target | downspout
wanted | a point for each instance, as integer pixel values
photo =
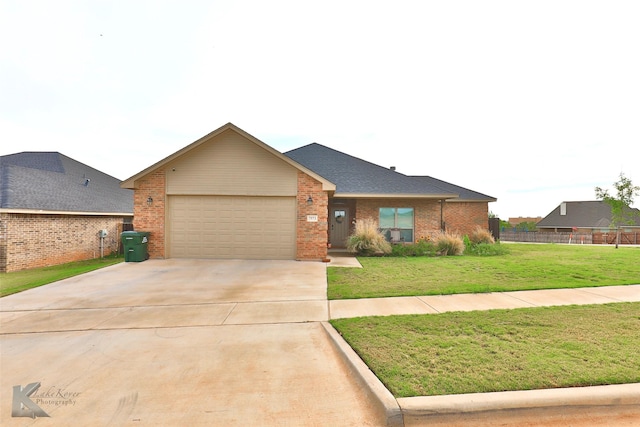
(442, 215)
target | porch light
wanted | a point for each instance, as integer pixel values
(309, 201)
(149, 201)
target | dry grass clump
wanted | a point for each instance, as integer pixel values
(449, 244)
(368, 240)
(481, 235)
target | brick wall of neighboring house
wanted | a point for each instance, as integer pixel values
(426, 213)
(463, 217)
(151, 218)
(34, 240)
(311, 236)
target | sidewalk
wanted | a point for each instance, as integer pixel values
(468, 302)
(612, 405)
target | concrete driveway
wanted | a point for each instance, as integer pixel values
(177, 342)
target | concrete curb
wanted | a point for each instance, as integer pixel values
(548, 405)
(553, 405)
(385, 404)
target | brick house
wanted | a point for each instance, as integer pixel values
(52, 209)
(229, 195)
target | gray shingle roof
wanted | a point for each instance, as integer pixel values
(464, 194)
(50, 181)
(587, 214)
(354, 176)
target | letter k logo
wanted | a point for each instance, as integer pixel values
(22, 406)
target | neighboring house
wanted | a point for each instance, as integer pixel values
(519, 220)
(52, 209)
(583, 217)
(229, 195)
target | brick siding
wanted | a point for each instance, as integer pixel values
(311, 237)
(463, 217)
(35, 240)
(151, 218)
(426, 212)
(459, 217)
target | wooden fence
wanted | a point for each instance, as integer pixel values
(628, 238)
(544, 237)
(609, 238)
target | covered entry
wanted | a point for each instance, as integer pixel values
(247, 227)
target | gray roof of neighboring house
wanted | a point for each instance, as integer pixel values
(50, 181)
(587, 214)
(354, 176)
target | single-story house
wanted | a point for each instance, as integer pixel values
(230, 195)
(583, 217)
(54, 209)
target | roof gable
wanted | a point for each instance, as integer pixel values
(229, 164)
(131, 182)
(50, 181)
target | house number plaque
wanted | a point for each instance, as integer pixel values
(312, 218)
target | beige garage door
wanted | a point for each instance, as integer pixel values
(232, 227)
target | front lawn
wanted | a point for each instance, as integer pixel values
(499, 350)
(525, 267)
(18, 281)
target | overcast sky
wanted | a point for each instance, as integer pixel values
(533, 102)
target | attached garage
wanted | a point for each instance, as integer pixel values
(230, 196)
(232, 227)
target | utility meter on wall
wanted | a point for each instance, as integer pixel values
(102, 233)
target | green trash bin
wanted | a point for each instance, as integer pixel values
(135, 244)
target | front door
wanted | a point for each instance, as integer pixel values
(339, 227)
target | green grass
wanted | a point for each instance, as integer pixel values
(18, 281)
(499, 350)
(525, 267)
